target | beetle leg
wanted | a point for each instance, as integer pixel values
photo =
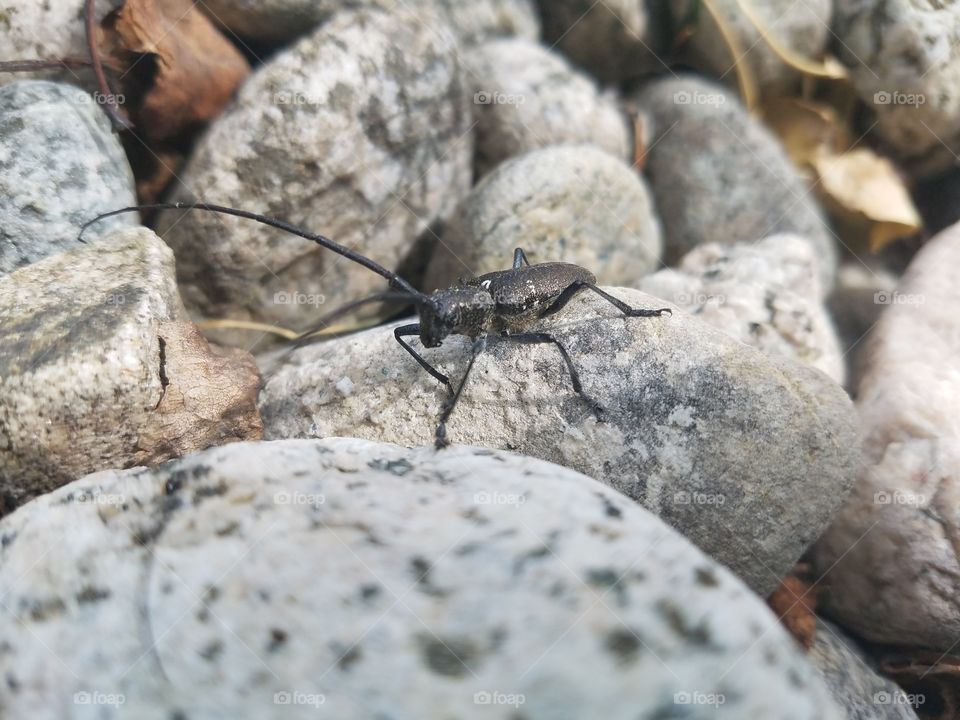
(519, 257)
(576, 287)
(414, 329)
(441, 442)
(542, 338)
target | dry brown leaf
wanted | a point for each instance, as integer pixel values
(198, 69)
(795, 604)
(806, 129)
(745, 78)
(865, 193)
(934, 676)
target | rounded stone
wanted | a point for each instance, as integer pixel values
(60, 166)
(526, 97)
(349, 579)
(573, 204)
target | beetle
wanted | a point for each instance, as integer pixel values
(504, 303)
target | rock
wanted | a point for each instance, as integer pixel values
(570, 204)
(891, 552)
(765, 294)
(60, 165)
(100, 368)
(720, 176)
(802, 28)
(748, 455)
(46, 30)
(904, 61)
(279, 21)
(368, 158)
(348, 579)
(526, 97)
(864, 288)
(853, 680)
(615, 39)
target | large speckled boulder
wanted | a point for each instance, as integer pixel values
(904, 60)
(341, 134)
(60, 165)
(718, 175)
(573, 204)
(892, 551)
(801, 28)
(100, 368)
(746, 454)
(526, 97)
(765, 294)
(277, 21)
(347, 579)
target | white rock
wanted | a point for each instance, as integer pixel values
(347, 579)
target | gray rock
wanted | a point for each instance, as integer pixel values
(526, 97)
(864, 289)
(853, 679)
(719, 176)
(60, 165)
(748, 455)
(894, 573)
(765, 294)
(278, 21)
(615, 40)
(346, 579)
(904, 60)
(802, 28)
(341, 134)
(571, 204)
(99, 368)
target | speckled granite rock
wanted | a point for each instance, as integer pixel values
(60, 165)
(765, 294)
(339, 134)
(892, 551)
(277, 21)
(348, 579)
(720, 176)
(571, 204)
(748, 455)
(802, 28)
(853, 680)
(615, 40)
(100, 368)
(904, 59)
(526, 97)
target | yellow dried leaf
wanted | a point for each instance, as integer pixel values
(864, 191)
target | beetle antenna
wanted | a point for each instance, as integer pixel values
(395, 280)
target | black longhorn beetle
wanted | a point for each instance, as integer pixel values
(505, 303)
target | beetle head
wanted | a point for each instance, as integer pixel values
(459, 310)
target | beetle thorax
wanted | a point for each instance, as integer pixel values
(458, 310)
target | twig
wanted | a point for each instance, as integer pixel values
(119, 122)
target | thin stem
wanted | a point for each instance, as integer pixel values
(119, 122)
